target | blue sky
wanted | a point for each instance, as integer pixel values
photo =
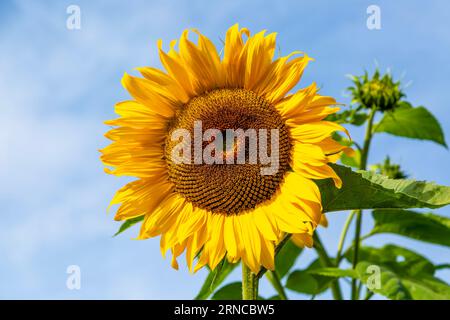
(58, 86)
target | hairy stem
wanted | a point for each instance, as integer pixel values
(250, 283)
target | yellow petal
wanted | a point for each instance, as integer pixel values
(318, 173)
(265, 227)
(294, 105)
(176, 69)
(268, 255)
(315, 132)
(201, 64)
(256, 57)
(324, 221)
(302, 240)
(144, 92)
(230, 238)
(252, 243)
(308, 153)
(232, 52)
(301, 187)
(165, 84)
(288, 76)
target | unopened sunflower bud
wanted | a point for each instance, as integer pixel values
(380, 92)
(389, 169)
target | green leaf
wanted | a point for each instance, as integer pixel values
(426, 227)
(391, 285)
(404, 274)
(354, 117)
(302, 281)
(368, 190)
(442, 266)
(231, 291)
(351, 161)
(275, 297)
(215, 278)
(400, 286)
(129, 223)
(286, 257)
(416, 123)
(305, 281)
(395, 258)
(342, 140)
(334, 272)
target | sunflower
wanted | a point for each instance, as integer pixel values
(213, 211)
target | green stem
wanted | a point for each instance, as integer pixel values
(367, 140)
(362, 166)
(369, 295)
(326, 261)
(356, 252)
(273, 278)
(249, 283)
(342, 237)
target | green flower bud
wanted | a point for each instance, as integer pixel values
(378, 92)
(389, 169)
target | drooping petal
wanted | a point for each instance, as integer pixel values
(302, 240)
(317, 173)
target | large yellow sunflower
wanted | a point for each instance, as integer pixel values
(217, 210)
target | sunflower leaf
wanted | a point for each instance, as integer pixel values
(402, 274)
(354, 117)
(368, 190)
(426, 227)
(286, 258)
(416, 123)
(352, 161)
(334, 272)
(398, 285)
(307, 281)
(390, 286)
(396, 258)
(215, 278)
(231, 291)
(128, 224)
(303, 282)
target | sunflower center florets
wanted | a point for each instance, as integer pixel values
(227, 151)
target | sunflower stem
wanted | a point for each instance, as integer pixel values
(274, 279)
(250, 283)
(362, 166)
(343, 236)
(325, 260)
